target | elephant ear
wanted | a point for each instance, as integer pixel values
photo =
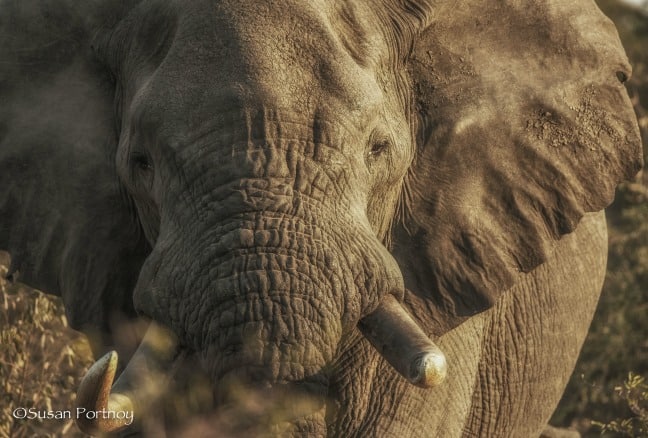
(63, 217)
(524, 127)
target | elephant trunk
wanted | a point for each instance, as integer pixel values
(271, 336)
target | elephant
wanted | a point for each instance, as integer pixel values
(389, 209)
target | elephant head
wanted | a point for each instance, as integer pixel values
(264, 179)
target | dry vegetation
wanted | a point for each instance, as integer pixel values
(42, 359)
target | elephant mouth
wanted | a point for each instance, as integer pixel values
(390, 329)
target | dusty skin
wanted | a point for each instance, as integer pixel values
(352, 218)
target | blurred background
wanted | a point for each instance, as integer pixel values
(42, 360)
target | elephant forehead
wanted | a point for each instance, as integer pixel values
(235, 55)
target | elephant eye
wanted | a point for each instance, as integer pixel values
(621, 76)
(378, 147)
(141, 161)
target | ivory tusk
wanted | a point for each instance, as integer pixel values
(94, 395)
(399, 339)
(113, 407)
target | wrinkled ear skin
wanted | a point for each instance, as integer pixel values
(524, 126)
(63, 217)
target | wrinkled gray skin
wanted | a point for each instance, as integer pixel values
(258, 176)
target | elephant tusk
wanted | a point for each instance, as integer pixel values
(94, 396)
(102, 407)
(399, 339)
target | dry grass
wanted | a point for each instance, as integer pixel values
(42, 361)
